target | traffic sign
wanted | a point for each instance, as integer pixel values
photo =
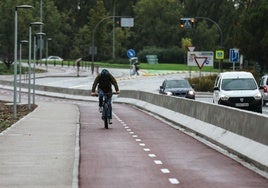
(219, 54)
(131, 53)
(234, 55)
(200, 58)
(200, 61)
(191, 48)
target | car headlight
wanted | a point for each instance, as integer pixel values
(224, 97)
(258, 96)
(191, 92)
(169, 93)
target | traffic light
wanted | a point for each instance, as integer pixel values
(187, 23)
(181, 24)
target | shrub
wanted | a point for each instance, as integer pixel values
(205, 83)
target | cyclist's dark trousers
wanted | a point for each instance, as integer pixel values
(101, 93)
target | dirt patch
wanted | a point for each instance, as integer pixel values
(7, 112)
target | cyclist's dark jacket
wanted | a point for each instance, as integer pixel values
(105, 84)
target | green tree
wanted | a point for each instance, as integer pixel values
(7, 12)
(156, 23)
(252, 33)
(222, 12)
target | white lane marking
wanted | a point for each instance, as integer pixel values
(134, 136)
(165, 170)
(173, 180)
(146, 149)
(151, 155)
(158, 162)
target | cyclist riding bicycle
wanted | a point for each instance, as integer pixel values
(104, 81)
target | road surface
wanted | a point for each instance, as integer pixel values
(139, 150)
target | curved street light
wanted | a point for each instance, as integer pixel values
(21, 42)
(220, 31)
(35, 49)
(15, 57)
(30, 59)
(48, 39)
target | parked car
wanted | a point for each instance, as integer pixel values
(52, 59)
(237, 89)
(177, 87)
(264, 89)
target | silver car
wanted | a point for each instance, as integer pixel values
(177, 87)
(264, 88)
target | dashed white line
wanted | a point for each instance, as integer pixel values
(151, 155)
(165, 170)
(158, 162)
(173, 181)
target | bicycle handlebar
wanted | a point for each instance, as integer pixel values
(112, 93)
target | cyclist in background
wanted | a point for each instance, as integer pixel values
(104, 81)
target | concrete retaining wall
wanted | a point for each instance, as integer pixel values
(248, 124)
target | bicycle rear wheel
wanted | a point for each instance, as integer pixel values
(105, 115)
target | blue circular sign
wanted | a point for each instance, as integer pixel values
(131, 53)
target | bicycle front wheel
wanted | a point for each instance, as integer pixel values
(105, 115)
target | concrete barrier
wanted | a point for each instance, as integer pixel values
(241, 132)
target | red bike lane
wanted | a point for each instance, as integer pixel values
(138, 150)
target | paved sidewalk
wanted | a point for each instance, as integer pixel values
(42, 150)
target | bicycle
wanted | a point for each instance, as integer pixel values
(106, 108)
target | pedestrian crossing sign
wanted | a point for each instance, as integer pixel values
(219, 54)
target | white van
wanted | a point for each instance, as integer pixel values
(237, 89)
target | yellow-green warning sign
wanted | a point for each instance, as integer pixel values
(219, 54)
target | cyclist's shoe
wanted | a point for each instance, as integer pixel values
(110, 121)
(100, 109)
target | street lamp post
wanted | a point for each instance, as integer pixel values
(35, 49)
(41, 29)
(220, 31)
(21, 42)
(48, 39)
(114, 3)
(15, 57)
(30, 54)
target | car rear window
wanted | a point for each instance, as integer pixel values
(177, 84)
(238, 84)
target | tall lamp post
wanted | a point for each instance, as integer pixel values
(41, 29)
(114, 3)
(48, 39)
(35, 49)
(220, 31)
(15, 57)
(21, 42)
(30, 59)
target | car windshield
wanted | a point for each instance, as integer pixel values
(238, 84)
(177, 84)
